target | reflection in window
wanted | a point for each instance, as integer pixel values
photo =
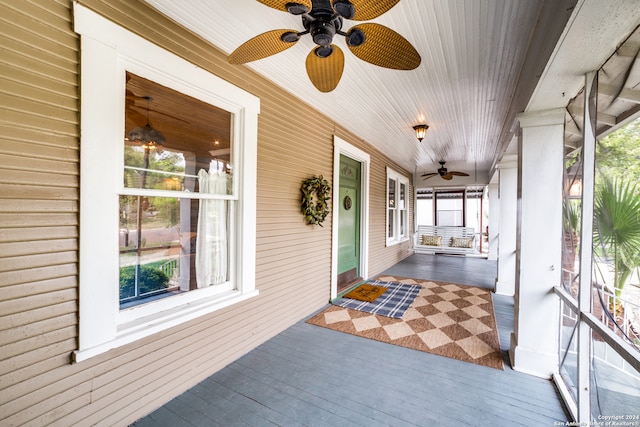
(152, 238)
(392, 193)
(402, 206)
(391, 208)
(397, 207)
(178, 200)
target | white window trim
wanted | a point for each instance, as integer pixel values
(400, 179)
(109, 50)
(340, 146)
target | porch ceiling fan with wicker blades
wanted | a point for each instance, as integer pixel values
(323, 19)
(444, 173)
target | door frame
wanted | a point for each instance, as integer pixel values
(342, 147)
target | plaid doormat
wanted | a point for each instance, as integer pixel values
(393, 303)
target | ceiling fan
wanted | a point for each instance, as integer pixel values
(444, 173)
(323, 19)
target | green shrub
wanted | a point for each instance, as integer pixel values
(151, 279)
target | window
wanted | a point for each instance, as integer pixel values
(168, 172)
(424, 207)
(178, 144)
(397, 207)
(449, 205)
(599, 347)
(391, 208)
(452, 207)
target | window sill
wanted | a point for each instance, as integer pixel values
(149, 325)
(397, 242)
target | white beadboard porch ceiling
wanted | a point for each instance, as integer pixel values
(473, 61)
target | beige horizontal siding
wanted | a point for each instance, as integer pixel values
(37, 206)
(39, 199)
(33, 67)
(34, 157)
(26, 262)
(34, 288)
(14, 191)
(13, 220)
(37, 247)
(31, 178)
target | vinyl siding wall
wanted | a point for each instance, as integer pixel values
(39, 180)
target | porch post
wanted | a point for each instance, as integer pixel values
(508, 169)
(534, 342)
(494, 221)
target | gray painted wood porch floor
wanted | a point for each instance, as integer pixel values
(312, 376)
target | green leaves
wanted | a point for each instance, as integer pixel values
(151, 279)
(315, 193)
(619, 152)
(617, 225)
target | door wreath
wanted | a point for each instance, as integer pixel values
(315, 193)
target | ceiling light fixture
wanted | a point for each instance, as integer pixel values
(421, 131)
(147, 136)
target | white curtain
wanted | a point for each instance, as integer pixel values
(211, 241)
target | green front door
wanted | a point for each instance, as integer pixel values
(349, 223)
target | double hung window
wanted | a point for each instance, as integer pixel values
(167, 202)
(178, 200)
(397, 207)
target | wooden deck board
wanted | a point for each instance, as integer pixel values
(308, 375)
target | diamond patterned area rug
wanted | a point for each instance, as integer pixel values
(446, 319)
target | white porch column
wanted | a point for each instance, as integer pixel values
(534, 342)
(494, 221)
(508, 202)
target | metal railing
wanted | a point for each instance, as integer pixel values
(622, 315)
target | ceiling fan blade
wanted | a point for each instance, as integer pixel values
(130, 95)
(325, 73)
(384, 47)
(145, 109)
(458, 173)
(261, 46)
(367, 9)
(284, 5)
(447, 176)
(429, 175)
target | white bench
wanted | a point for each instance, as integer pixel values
(444, 235)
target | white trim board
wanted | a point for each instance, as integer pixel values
(342, 147)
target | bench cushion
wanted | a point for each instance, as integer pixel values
(461, 242)
(431, 240)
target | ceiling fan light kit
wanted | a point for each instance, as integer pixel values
(296, 8)
(146, 136)
(323, 19)
(344, 9)
(444, 173)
